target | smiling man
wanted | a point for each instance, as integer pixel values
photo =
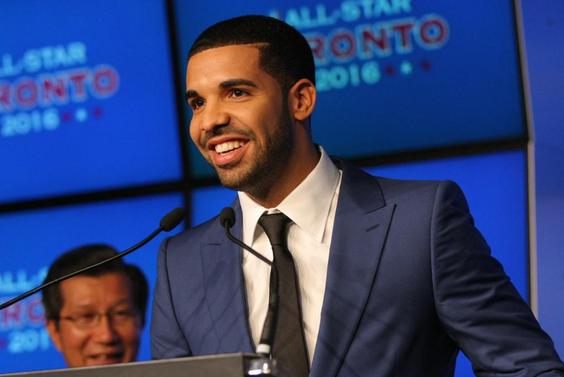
(378, 277)
(95, 318)
(243, 122)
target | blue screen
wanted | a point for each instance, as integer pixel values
(495, 187)
(545, 53)
(208, 202)
(32, 240)
(86, 97)
(395, 76)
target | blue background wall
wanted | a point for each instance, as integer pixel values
(544, 28)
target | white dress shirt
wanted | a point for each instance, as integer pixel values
(311, 207)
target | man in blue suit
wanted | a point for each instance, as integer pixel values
(393, 276)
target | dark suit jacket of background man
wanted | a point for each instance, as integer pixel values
(410, 280)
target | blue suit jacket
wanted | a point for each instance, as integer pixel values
(410, 281)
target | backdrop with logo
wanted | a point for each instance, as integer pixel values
(395, 76)
(86, 97)
(90, 99)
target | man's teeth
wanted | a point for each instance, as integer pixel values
(104, 357)
(228, 146)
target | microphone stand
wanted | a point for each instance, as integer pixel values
(265, 365)
(168, 222)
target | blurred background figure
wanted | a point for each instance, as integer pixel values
(95, 318)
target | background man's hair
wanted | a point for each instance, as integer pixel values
(284, 52)
(86, 255)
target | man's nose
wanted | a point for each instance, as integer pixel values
(214, 115)
(105, 330)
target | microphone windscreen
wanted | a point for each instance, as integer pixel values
(172, 219)
(227, 217)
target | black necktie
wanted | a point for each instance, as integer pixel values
(289, 348)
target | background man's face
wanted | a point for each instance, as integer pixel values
(240, 121)
(114, 338)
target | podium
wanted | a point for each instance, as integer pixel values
(227, 365)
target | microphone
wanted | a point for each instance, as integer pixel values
(264, 348)
(167, 223)
(172, 219)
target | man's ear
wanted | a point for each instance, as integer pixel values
(54, 333)
(301, 99)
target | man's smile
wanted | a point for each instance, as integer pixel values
(226, 151)
(228, 146)
(104, 358)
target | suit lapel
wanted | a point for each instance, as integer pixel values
(359, 234)
(225, 289)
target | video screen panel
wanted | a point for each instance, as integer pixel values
(394, 76)
(31, 240)
(208, 202)
(494, 185)
(86, 97)
(545, 54)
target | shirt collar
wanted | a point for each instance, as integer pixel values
(307, 205)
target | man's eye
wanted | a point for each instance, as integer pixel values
(123, 314)
(238, 93)
(196, 103)
(86, 318)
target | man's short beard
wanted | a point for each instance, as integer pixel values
(271, 159)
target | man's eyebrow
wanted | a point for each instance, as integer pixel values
(190, 94)
(237, 82)
(225, 84)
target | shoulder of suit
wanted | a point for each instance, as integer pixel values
(395, 188)
(197, 233)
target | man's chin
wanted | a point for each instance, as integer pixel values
(246, 178)
(231, 183)
(238, 182)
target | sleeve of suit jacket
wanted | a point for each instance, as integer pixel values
(476, 302)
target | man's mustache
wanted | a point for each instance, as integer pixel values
(228, 129)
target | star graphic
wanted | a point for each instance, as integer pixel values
(406, 68)
(67, 117)
(390, 70)
(81, 115)
(98, 112)
(426, 65)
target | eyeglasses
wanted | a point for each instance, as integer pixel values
(90, 320)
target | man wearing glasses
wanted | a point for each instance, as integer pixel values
(95, 318)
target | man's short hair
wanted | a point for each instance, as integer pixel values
(86, 255)
(285, 53)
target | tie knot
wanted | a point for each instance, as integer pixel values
(275, 227)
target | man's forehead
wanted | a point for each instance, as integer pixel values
(79, 289)
(224, 64)
(98, 280)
